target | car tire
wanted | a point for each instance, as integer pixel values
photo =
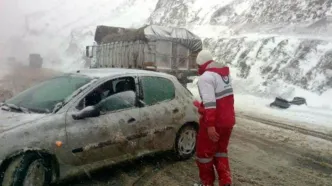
(185, 142)
(29, 169)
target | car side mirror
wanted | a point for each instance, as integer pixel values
(89, 51)
(87, 112)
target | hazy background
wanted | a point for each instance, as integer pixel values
(60, 29)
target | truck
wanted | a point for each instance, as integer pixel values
(35, 61)
(171, 50)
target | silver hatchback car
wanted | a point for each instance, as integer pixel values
(92, 118)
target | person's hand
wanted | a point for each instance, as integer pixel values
(197, 103)
(213, 135)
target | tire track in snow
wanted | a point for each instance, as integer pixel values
(300, 162)
(305, 131)
(315, 161)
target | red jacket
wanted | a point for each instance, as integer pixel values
(216, 91)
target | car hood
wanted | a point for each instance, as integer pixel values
(10, 120)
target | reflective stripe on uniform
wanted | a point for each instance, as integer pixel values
(204, 160)
(210, 105)
(224, 93)
(221, 155)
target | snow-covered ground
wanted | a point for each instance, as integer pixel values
(317, 115)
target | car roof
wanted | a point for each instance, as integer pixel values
(109, 72)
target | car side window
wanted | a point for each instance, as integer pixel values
(106, 90)
(118, 101)
(156, 89)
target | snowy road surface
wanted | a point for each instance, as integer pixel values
(260, 154)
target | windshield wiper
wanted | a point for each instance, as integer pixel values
(58, 106)
(15, 107)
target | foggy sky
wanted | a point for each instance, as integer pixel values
(13, 23)
(50, 27)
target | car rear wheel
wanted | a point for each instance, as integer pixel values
(185, 142)
(28, 170)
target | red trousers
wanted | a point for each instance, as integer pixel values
(213, 154)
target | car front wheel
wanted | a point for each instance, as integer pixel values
(185, 142)
(28, 170)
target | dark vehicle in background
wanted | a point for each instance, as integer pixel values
(35, 61)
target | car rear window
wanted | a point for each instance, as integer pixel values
(157, 89)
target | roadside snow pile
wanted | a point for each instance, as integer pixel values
(282, 90)
(308, 116)
(269, 92)
(317, 113)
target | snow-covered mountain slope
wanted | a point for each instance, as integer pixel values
(280, 47)
(60, 29)
(304, 62)
(246, 15)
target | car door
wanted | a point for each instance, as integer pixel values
(109, 135)
(159, 111)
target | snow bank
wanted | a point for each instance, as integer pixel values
(313, 117)
(287, 91)
(316, 115)
(283, 90)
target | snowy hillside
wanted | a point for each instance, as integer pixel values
(246, 15)
(303, 62)
(275, 47)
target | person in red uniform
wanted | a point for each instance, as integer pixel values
(216, 122)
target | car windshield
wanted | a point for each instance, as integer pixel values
(44, 96)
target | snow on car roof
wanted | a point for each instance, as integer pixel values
(107, 72)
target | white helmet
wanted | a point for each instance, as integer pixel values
(203, 57)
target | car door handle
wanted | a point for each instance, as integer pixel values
(176, 110)
(131, 120)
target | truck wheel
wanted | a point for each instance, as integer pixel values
(29, 169)
(185, 142)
